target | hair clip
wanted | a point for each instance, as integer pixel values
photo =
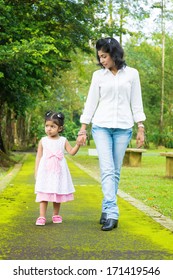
(48, 113)
(109, 40)
(59, 115)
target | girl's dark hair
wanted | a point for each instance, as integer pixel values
(113, 47)
(57, 118)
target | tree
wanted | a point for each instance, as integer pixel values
(164, 15)
(37, 38)
(122, 17)
(146, 57)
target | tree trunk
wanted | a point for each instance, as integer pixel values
(9, 135)
(121, 21)
(163, 73)
(110, 16)
(2, 147)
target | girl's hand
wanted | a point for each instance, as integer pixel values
(82, 136)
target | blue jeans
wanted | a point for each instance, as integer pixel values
(111, 144)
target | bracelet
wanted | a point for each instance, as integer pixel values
(140, 125)
(82, 132)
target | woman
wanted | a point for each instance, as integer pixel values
(113, 105)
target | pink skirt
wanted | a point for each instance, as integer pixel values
(53, 197)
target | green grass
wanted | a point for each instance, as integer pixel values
(146, 183)
(15, 157)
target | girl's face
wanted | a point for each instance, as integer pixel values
(52, 129)
(106, 60)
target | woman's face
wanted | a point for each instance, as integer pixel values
(106, 60)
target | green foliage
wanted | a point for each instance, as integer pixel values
(146, 57)
(45, 60)
(157, 138)
(68, 97)
(37, 39)
(71, 130)
(117, 16)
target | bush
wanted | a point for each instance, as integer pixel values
(168, 139)
(70, 130)
(165, 139)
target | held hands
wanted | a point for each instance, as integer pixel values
(81, 139)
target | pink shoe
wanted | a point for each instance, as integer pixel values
(56, 219)
(41, 221)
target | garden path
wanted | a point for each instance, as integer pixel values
(79, 237)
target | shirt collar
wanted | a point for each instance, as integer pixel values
(108, 71)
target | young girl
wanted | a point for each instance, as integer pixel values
(53, 179)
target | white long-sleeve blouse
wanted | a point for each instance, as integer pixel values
(114, 101)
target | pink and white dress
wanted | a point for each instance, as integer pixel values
(53, 182)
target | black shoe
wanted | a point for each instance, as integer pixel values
(110, 224)
(103, 218)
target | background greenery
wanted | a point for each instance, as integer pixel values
(47, 58)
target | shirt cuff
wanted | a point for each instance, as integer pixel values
(84, 119)
(139, 117)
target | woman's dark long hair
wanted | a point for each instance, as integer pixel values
(113, 47)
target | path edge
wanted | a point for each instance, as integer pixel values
(11, 175)
(155, 215)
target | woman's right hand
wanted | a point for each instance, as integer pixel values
(81, 139)
(82, 135)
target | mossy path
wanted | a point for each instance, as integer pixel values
(79, 237)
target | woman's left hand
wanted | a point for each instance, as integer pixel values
(140, 138)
